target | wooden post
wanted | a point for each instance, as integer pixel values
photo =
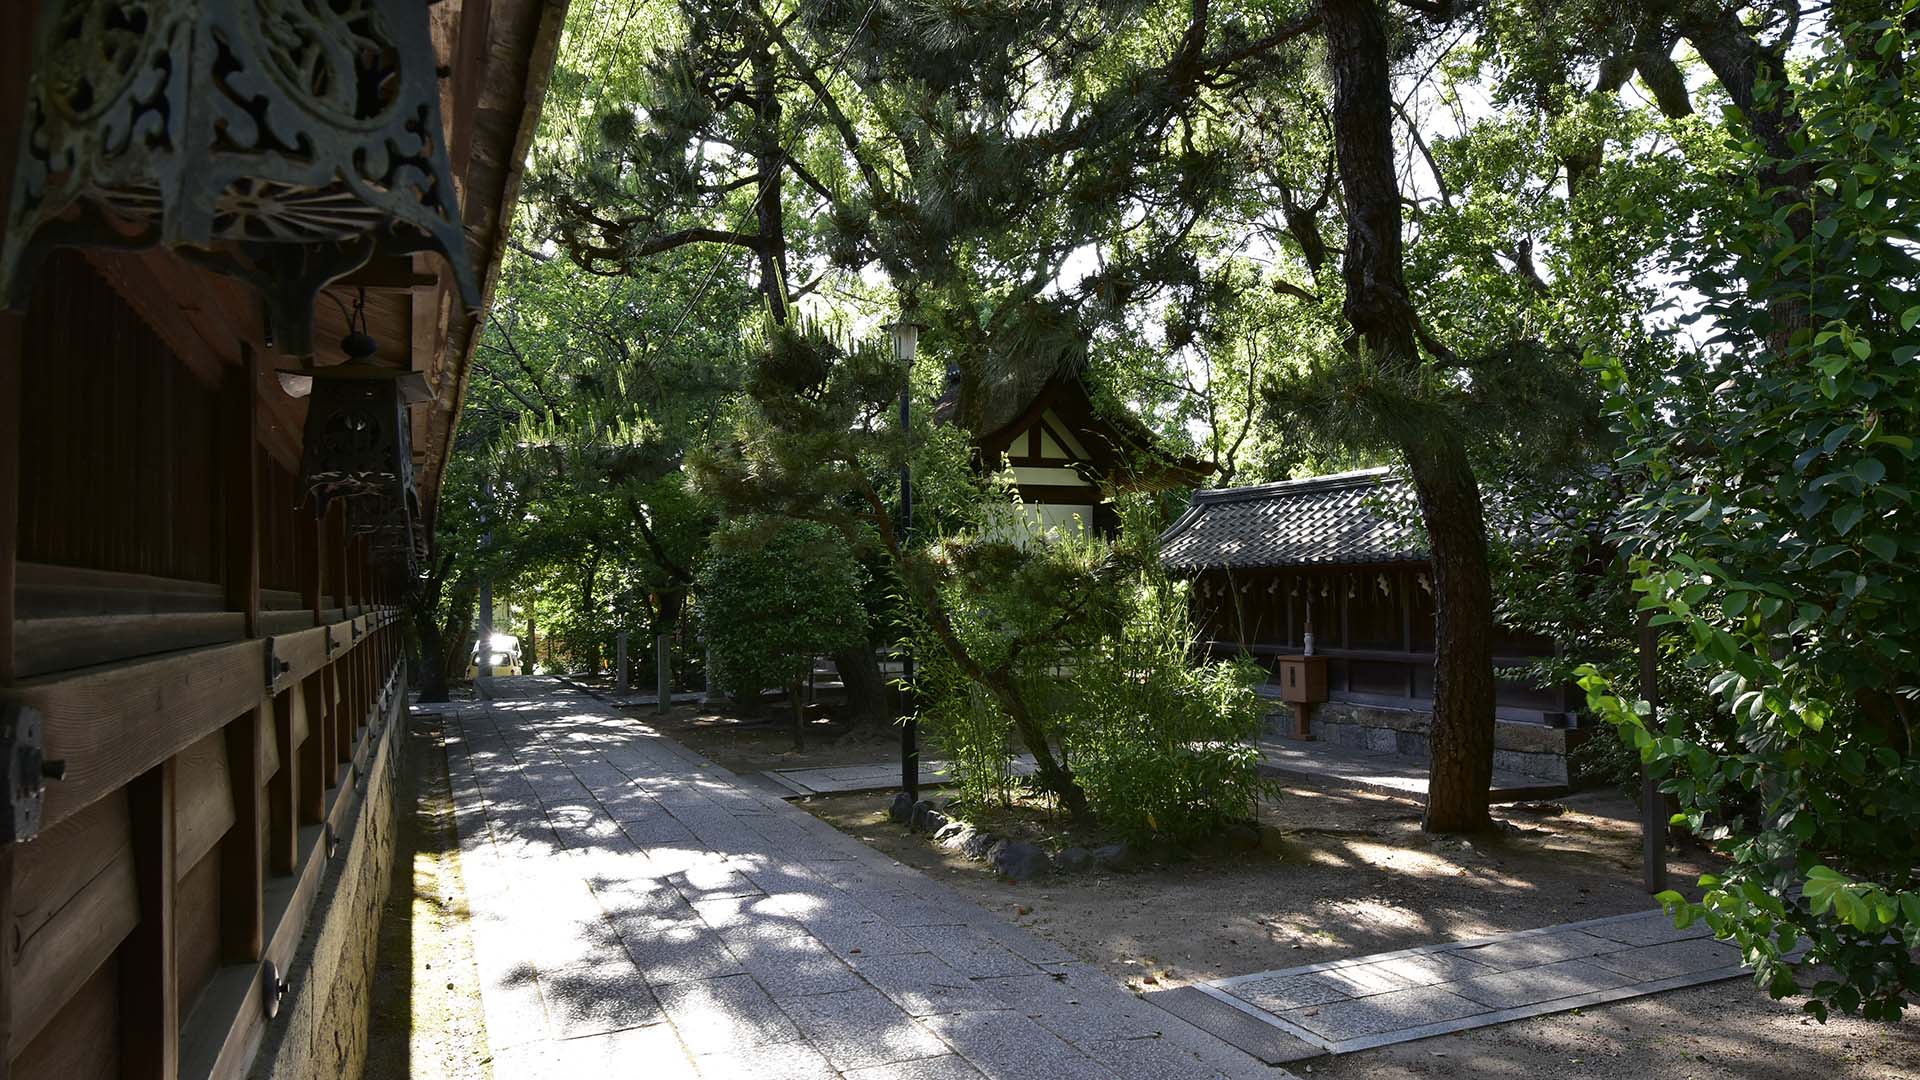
(532, 651)
(1289, 582)
(620, 664)
(149, 975)
(1404, 581)
(313, 782)
(1653, 805)
(240, 460)
(309, 537)
(283, 791)
(343, 693)
(10, 363)
(15, 60)
(336, 553)
(242, 877)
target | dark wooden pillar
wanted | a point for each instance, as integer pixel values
(242, 876)
(149, 971)
(15, 51)
(309, 539)
(1405, 583)
(239, 458)
(315, 777)
(10, 361)
(283, 791)
(336, 555)
(343, 694)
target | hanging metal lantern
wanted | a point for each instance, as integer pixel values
(359, 439)
(285, 142)
(391, 526)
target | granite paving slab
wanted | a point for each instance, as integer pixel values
(636, 906)
(1339, 1021)
(1210, 1014)
(1363, 1002)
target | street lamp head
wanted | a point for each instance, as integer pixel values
(906, 340)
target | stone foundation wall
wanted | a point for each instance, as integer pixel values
(321, 1032)
(1528, 749)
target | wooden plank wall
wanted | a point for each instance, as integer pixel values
(210, 663)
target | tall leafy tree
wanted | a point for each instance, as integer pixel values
(1776, 533)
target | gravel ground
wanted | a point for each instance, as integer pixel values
(427, 1019)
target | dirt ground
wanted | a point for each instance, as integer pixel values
(1349, 873)
(427, 1021)
(747, 746)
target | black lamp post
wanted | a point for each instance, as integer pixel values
(906, 342)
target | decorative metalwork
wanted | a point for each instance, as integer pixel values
(274, 987)
(23, 758)
(357, 442)
(283, 141)
(359, 445)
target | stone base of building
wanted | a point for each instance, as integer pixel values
(1533, 750)
(321, 1031)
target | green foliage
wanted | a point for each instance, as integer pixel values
(1162, 748)
(1165, 748)
(1020, 606)
(773, 595)
(1778, 534)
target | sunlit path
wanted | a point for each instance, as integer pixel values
(636, 911)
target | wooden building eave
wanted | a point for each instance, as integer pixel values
(497, 56)
(524, 43)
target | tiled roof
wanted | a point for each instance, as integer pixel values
(1344, 519)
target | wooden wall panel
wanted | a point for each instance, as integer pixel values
(205, 800)
(82, 1041)
(149, 984)
(108, 411)
(75, 900)
(197, 907)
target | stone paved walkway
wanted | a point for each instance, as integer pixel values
(638, 912)
(1369, 1001)
(841, 779)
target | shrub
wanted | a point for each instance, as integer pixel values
(1164, 747)
(775, 593)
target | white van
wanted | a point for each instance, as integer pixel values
(498, 654)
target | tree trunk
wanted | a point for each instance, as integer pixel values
(1052, 774)
(769, 158)
(1743, 64)
(441, 649)
(866, 687)
(432, 673)
(666, 615)
(1460, 776)
(1048, 771)
(1385, 327)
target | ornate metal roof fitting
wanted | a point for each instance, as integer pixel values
(284, 142)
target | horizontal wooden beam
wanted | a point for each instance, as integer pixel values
(111, 724)
(395, 272)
